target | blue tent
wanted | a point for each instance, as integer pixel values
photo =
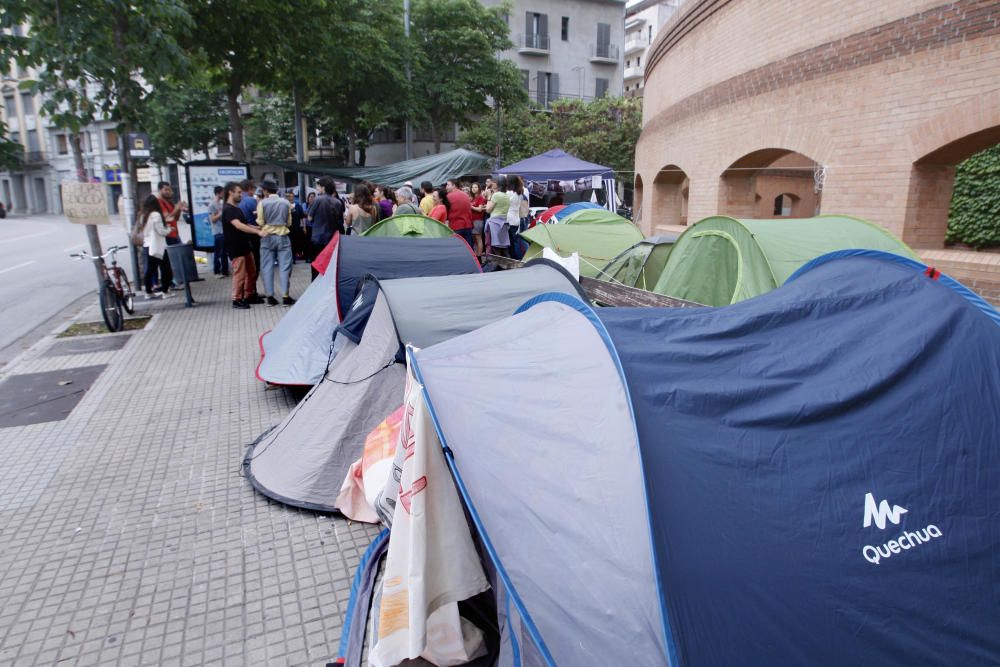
(574, 208)
(808, 477)
(297, 351)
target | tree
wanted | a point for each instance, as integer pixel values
(604, 131)
(270, 129)
(453, 51)
(11, 152)
(186, 114)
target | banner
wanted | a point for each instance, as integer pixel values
(202, 180)
(85, 203)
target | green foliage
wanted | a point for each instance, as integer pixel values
(455, 69)
(604, 131)
(271, 128)
(11, 152)
(186, 114)
(975, 202)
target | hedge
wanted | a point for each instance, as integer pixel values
(975, 202)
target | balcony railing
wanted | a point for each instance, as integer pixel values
(34, 157)
(604, 53)
(533, 43)
(633, 72)
(633, 44)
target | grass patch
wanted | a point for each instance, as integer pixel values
(91, 328)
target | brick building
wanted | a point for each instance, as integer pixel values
(836, 106)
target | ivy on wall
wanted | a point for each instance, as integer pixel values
(975, 202)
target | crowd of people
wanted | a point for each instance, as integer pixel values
(260, 233)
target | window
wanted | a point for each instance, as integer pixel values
(784, 205)
(526, 79)
(565, 28)
(548, 88)
(601, 88)
(28, 104)
(638, 61)
(628, 63)
(33, 146)
(111, 140)
(603, 49)
(650, 40)
(223, 145)
(536, 30)
(11, 106)
(62, 144)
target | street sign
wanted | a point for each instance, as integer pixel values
(144, 174)
(138, 144)
(85, 203)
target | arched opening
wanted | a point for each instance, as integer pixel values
(754, 185)
(670, 192)
(932, 188)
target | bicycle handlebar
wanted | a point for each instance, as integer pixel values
(86, 255)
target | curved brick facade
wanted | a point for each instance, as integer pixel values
(743, 96)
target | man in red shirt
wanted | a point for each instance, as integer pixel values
(460, 213)
(171, 212)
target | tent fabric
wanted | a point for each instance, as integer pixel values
(575, 208)
(821, 470)
(721, 260)
(547, 214)
(297, 351)
(592, 215)
(597, 244)
(409, 225)
(641, 265)
(304, 461)
(556, 165)
(434, 168)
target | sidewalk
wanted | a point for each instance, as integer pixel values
(129, 536)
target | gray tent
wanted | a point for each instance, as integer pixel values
(304, 461)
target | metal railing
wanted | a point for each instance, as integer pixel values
(605, 51)
(537, 41)
(34, 157)
(635, 44)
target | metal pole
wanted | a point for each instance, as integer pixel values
(300, 143)
(408, 129)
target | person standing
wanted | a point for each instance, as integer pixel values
(238, 235)
(386, 201)
(478, 218)
(220, 262)
(248, 204)
(459, 211)
(404, 202)
(441, 207)
(298, 240)
(497, 229)
(363, 213)
(427, 203)
(275, 217)
(327, 216)
(155, 244)
(171, 213)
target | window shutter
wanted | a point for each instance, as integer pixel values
(529, 28)
(554, 87)
(543, 31)
(603, 34)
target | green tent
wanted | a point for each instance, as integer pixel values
(409, 225)
(722, 260)
(597, 235)
(641, 265)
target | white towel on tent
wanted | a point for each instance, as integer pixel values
(432, 562)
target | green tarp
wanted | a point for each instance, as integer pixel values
(597, 242)
(409, 225)
(722, 260)
(593, 216)
(434, 168)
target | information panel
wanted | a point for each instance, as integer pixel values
(202, 179)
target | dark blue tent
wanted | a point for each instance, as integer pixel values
(297, 350)
(808, 477)
(556, 165)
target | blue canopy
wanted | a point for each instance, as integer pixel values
(556, 165)
(297, 351)
(808, 477)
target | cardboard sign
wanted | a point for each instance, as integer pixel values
(85, 203)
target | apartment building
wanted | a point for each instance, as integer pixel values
(643, 20)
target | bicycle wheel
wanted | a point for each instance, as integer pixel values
(127, 296)
(111, 307)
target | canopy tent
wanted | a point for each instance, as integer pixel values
(574, 208)
(434, 168)
(304, 461)
(722, 260)
(598, 237)
(768, 483)
(297, 351)
(641, 265)
(409, 225)
(558, 165)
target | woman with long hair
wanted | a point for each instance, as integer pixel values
(386, 199)
(441, 205)
(154, 243)
(478, 217)
(363, 213)
(519, 198)
(497, 229)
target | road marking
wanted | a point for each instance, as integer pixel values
(29, 236)
(17, 266)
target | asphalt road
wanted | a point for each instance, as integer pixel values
(38, 279)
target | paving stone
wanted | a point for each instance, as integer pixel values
(127, 528)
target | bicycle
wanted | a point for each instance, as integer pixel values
(116, 291)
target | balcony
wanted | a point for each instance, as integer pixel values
(533, 44)
(34, 157)
(604, 54)
(635, 43)
(633, 73)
